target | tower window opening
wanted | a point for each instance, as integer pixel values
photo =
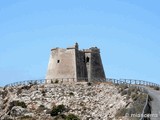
(87, 59)
(58, 61)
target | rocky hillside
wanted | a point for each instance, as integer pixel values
(61, 101)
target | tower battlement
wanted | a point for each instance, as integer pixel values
(74, 63)
(92, 50)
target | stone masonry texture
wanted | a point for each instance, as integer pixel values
(75, 65)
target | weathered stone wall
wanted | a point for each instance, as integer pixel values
(81, 65)
(88, 64)
(62, 64)
(75, 63)
(97, 70)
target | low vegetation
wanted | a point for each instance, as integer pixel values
(57, 113)
(72, 117)
(155, 87)
(56, 81)
(89, 83)
(71, 94)
(57, 110)
(26, 118)
(17, 103)
(138, 101)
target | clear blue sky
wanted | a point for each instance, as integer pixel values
(126, 31)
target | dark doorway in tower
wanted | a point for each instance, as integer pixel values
(87, 59)
(58, 61)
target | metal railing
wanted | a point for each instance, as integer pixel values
(115, 81)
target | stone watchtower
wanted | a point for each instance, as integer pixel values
(74, 64)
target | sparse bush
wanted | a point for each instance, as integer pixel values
(142, 98)
(121, 112)
(124, 92)
(19, 91)
(57, 81)
(116, 84)
(60, 117)
(71, 94)
(150, 98)
(26, 118)
(35, 83)
(123, 86)
(40, 108)
(81, 104)
(72, 117)
(139, 100)
(89, 83)
(52, 82)
(27, 87)
(156, 88)
(57, 110)
(43, 92)
(17, 103)
(129, 92)
(134, 96)
(133, 89)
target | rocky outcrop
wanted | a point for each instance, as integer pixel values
(98, 101)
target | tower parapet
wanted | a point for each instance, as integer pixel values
(92, 50)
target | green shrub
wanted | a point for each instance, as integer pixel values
(60, 117)
(43, 92)
(129, 92)
(141, 98)
(26, 118)
(156, 88)
(27, 87)
(123, 86)
(133, 89)
(35, 83)
(124, 92)
(116, 84)
(134, 96)
(57, 81)
(138, 104)
(17, 103)
(121, 112)
(71, 94)
(57, 110)
(89, 83)
(40, 108)
(72, 117)
(19, 91)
